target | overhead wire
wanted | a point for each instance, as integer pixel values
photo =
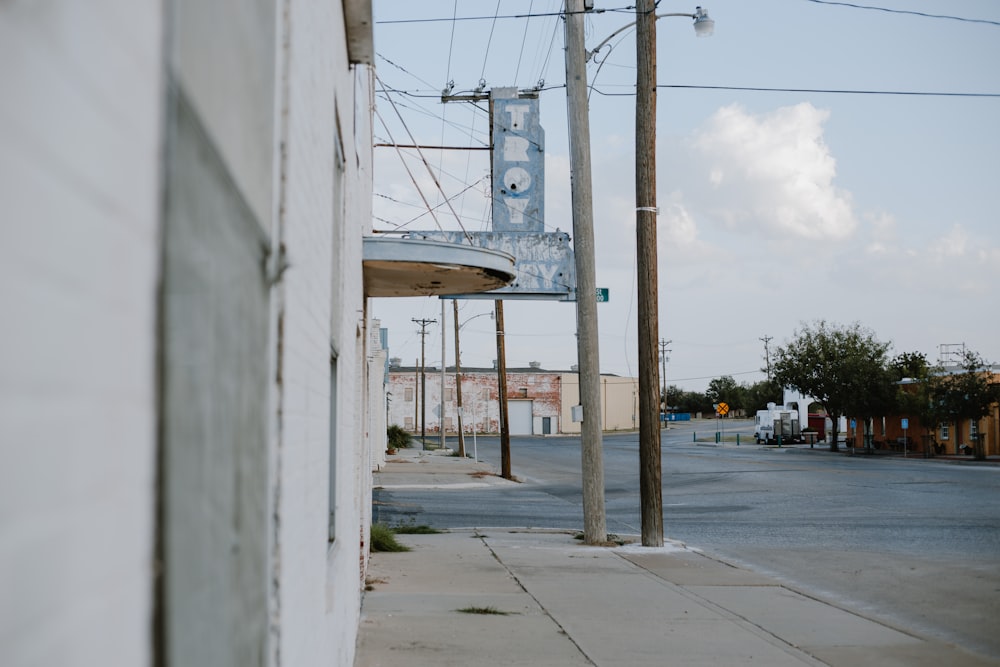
(448, 83)
(398, 226)
(405, 166)
(545, 63)
(524, 39)
(465, 129)
(905, 11)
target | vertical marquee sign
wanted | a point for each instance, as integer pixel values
(518, 163)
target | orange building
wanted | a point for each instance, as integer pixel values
(952, 438)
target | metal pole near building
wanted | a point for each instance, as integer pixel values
(443, 365)
(458, 382)
(591, 449)
(650, 474)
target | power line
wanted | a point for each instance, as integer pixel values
(506, 16)
(905, 11)
(828, 91)
(759, 89)
(524, 39)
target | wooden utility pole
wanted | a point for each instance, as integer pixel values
(458, 382)
(663, 369)
(650, 474)
(502, 395)
(767, 354)
(588, 359)
(423, 381)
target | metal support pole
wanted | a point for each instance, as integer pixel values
(443, 365)
(591, 445)
(458, 382)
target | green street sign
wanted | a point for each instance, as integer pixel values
(603, 295)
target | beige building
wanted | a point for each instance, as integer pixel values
(540, 402)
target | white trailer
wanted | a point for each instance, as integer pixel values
(778, 423)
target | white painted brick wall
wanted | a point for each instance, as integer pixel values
(80, 117)
(320, 585)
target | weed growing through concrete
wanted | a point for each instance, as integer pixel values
(612, 540)
(410, 529)
(489, 611)
(384, 539)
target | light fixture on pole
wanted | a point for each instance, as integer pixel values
(703, 25)
(458, 377)
(582, 196)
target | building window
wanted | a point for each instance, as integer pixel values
(973, 428)
(408, 394)
(944, 431)
(523, 392)
(449, 394)
(408, 423)
(332, 528)
(449, 424)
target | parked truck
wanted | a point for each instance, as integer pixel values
(777, 421)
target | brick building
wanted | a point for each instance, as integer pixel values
(540, 401)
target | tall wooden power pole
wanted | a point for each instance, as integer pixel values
(650, 474)
(423, 381)
(502, 395)
(663, 369)
(591, 437)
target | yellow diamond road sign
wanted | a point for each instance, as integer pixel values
(723, 408)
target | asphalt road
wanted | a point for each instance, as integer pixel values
(915, 543)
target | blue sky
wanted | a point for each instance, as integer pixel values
(776, 208)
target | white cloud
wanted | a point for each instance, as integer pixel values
(773, 173)
(883, 234)
(953, 244)
(677, 225)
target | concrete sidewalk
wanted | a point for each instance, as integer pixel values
(564, 603)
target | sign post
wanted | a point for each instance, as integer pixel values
(906, 425)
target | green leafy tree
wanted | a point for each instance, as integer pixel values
(674, 398)
(912, 365)
(688, 401)
(725, 390)
(966, 395)
(843, 367)
(757, 395)
(914, 397)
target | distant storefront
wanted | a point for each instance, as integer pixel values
(539, 401)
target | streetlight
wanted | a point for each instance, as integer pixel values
(458, 377)
(583, 240)
(704, 26)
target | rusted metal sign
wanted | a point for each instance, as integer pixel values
(518, 163)
(543, 262)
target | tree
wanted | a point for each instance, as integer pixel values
(843, 368)
(725, 390)
(914, 397)
(967, 394)
(757, 395)
(674, 397)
